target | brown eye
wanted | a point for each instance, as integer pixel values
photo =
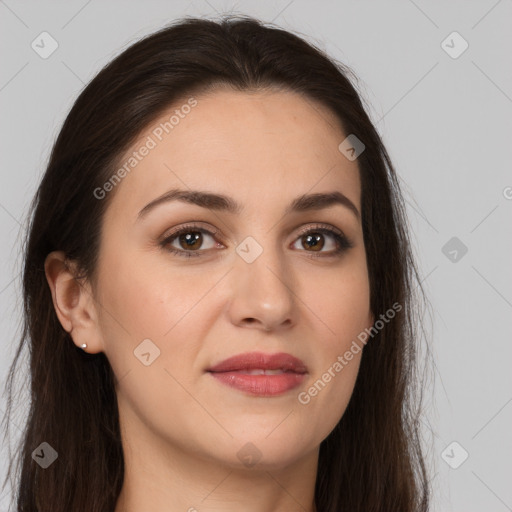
(189, 241)
(313, 241)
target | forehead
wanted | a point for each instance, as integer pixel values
(258, 147)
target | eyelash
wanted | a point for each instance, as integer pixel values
(342, 242)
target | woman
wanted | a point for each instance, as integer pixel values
(218, 289)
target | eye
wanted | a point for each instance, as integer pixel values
(187, 241)
(314, 239)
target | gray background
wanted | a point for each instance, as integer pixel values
(447, 124)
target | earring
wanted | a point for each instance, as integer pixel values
(83, 346)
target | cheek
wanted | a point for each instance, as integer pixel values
(143, 301)
(145, 298)
(340, 300)
(340, 303)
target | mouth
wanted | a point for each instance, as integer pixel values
(260, 374)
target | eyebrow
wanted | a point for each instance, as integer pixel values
(219, 202)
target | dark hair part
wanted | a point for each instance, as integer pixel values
(373, 460)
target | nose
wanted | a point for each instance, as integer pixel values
(262, 295)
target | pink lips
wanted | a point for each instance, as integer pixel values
(261, 374)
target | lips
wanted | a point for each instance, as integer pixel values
(260, 361)
(260, 374)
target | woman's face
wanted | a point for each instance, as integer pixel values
(262, 278)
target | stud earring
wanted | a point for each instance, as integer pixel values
(83, 346)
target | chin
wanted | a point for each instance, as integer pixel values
(259, 452)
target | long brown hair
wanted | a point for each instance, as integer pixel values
(373, 460)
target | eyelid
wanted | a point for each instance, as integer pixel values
(197, 225)
(320, 225)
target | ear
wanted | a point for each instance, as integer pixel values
(73, 302)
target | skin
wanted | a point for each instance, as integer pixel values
(181, 428)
